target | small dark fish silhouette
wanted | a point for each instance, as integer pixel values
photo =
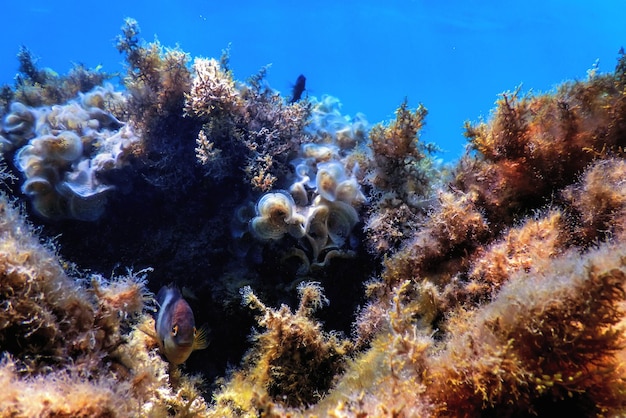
(298, 88)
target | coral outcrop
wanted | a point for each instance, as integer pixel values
(495, 287)
(321, 206)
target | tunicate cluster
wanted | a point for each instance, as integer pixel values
(63, 149)
(319, 209)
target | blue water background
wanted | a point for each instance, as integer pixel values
(455, 57)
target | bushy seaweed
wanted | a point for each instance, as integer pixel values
(35, 86)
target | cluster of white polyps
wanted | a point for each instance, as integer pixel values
(63, 149)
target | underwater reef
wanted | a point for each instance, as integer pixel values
(341, 269)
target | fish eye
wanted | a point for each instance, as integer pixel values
(174, 330)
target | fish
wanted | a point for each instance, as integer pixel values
(175, 327)
(298, 88)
